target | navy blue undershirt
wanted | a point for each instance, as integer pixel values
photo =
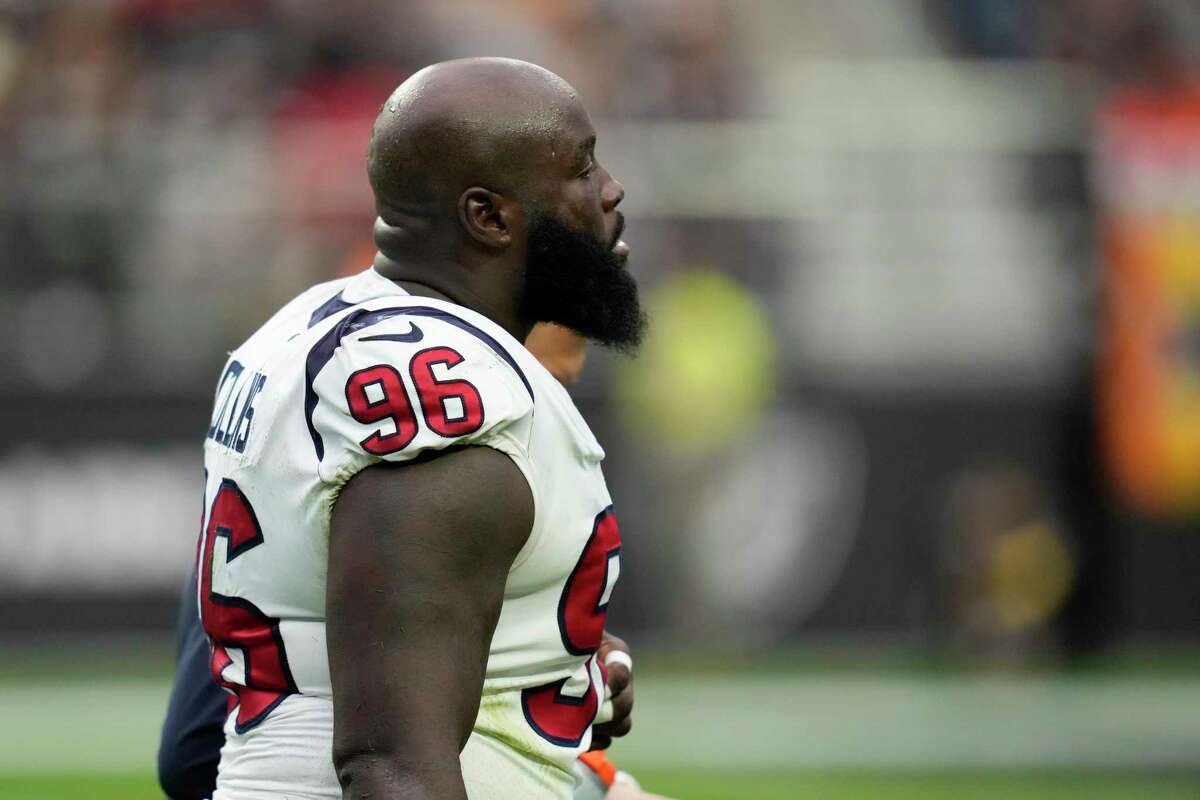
(192, 735)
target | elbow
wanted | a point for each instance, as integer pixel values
(362, 767)
(353, 763)
(386, 774)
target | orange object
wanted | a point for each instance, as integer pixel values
(1148, 163)
(597, 762)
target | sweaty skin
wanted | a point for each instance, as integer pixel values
(462, 155)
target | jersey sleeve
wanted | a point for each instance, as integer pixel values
(407, 386)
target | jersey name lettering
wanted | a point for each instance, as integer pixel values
(234, 408)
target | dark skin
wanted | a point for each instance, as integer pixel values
(461, 156)
(404, 650)
(460, 160)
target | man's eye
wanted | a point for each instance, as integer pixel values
(588, 171)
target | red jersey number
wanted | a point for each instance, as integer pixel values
(556, 714)
(375, 394)
(233, 623)
(451, 407)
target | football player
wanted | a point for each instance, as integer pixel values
(408, 547)
(192, 734)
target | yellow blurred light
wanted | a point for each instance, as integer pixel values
(1180, 254)
(1030, 573)
(707, 368)
(1179, 250)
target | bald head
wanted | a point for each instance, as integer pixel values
(489, 192)
(489, 122)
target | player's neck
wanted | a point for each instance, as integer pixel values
(437, 281)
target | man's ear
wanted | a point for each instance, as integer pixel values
(489, 217)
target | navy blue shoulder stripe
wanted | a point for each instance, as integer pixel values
(322, 352)
(327, 309)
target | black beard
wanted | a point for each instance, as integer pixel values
(574, 279)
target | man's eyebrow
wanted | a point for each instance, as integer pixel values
(586, 147)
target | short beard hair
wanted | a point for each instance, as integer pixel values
(574, 279)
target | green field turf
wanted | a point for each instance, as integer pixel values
(85, 725)
(737, 785)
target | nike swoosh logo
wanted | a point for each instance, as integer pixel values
(414, 335)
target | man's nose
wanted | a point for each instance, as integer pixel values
(613, 194)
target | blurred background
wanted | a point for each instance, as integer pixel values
(925, 272)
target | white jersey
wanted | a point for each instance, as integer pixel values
(351, 373)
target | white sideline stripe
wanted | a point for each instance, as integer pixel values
(802, 721)
(916, 723)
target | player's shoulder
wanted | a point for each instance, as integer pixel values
(310, 307)
(370, 320)
(391, 375)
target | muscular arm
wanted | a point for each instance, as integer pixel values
(418, 558)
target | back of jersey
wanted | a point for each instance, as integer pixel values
(352, 373)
